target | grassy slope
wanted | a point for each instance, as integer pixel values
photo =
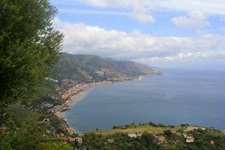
(140, 128)
(23, 114)
(136, 129)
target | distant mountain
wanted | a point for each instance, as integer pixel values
(89, 68)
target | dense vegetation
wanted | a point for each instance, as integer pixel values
(120, 142)
(26, 129)
(147, 141)
(30, 49)
(156, 136)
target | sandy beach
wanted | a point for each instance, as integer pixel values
(78, 96)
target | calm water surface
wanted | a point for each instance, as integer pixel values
(176, 97)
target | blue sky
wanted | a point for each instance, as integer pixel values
(161, 33)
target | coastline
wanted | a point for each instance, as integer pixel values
(77, 97)
(74, 98)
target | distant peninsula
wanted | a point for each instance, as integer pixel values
(92, 68)
(77, 74)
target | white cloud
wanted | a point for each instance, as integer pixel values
(141, 14)
(80, 38)
(198, 11)
(191, 56)
(206, 6)
(136, 9)
(194, 19)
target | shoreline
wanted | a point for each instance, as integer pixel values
(77, 97)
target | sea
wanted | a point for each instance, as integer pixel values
(195, 97)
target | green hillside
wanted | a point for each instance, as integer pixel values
(89, 68)
(154, 136)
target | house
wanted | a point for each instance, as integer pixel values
(190, 139)
(54, 109)
(185, 136)
(160, 139)
(69, 130)
(79, 140)
(69, 139)
(68, 83)
(3, 129)
(50, 79)
(132, 135)
(61, 135)
(65, 96)
(46, 104)
(177, 133)
(110, 141)
(48, 132)
(139, 134)
(212, 142)
(223, 131)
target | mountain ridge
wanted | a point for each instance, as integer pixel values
(89, 68)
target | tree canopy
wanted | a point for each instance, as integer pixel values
(29, 47)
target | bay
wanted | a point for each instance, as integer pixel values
(176, 97)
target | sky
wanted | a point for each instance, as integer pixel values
(160, 33)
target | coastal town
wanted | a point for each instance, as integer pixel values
(61, 61)
(69, 91)
(68, 94)
(70, 87)
(74, 91)
(73, 95)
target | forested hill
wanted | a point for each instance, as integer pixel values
(87, 68)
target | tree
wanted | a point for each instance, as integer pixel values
(148, 140)
(29, 47)
(167, 132)
(5, 140)
(28, 137)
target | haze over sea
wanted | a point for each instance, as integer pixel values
(195, 97)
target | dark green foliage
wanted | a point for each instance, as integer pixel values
(153, 124)
(184, 125)
(120, 142)
(180, 130)
(149, 141)
(162, 125)
(25, 129)
(29, 47)
(3, 113)
(204, 139)
(167, 132)
(57, 123)
(28, 137)
(54, 146)
(6, 140)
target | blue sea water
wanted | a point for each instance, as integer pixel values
(176, 97)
